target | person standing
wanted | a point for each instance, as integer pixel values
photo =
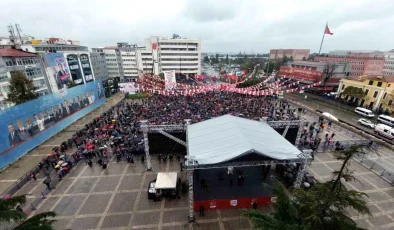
(202, 211)
(33, 175)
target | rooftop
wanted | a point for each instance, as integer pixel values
(15, 53)
(382, 78)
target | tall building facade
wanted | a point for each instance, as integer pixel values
(113, 60)
(362, 62)
(159, 54)
(30, 64)
(99, 65)
(297, 54)
(388, 68)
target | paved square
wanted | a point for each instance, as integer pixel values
(116, 198)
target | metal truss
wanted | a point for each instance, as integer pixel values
(298, 138)
(305, 156)
(166, 127)
(285, 132)
(144, 127)
(283, 124)
(193, 164)
(172, 137)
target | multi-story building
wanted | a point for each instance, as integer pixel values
(309, 72)
(296, 54)
(99, 65)
(159, 54)
(388, 68)
(113, 60)
(362, 62)
(13, 60)
(378, 91)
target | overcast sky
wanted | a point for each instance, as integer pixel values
(222, 25)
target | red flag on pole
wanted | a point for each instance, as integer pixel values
(327, 31)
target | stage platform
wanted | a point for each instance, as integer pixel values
(220, 195)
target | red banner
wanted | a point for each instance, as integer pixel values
(301, 73)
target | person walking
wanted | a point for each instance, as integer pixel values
(33, 175)
(47, 182)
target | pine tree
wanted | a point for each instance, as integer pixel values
(322, 207)
(9, 213)
(21, 89)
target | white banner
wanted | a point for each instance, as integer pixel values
(128, 87)
(169, 79)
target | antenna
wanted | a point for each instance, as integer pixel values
(12, 35)
(19, 30)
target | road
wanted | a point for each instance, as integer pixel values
(349, 117)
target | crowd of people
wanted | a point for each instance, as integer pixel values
(118, 133)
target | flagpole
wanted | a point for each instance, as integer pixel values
(324, 33)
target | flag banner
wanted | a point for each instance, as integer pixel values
(169, 79)
(327, 31)
(129, 87)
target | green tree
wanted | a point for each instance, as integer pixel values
(291, 59)
(324, 206)
(227, 58)
(161, 75)
(70, 84)
(285, 217)
(9, 213)
(304, 59)
(115, 84)
(206, 59)
(21, 89)
(352, 91)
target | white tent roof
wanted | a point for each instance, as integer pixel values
(227, 137)
(166, 180)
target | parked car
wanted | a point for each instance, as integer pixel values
(366, 122)
(364, 112)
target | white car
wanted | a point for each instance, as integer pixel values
(366, 122)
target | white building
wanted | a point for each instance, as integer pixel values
(159, 54)
(180, 54)
(388, 68)
(30, 64)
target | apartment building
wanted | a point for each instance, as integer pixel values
(13, 60)
(159, 54)
(362, 62)
(388, 68)
(99, 65)
(378, 91)
(297, 54)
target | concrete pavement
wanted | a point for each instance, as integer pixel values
(11, 174)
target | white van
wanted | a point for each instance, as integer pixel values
(385, 130)
(364, 112)
(386, 120)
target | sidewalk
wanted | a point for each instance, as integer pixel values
(11, 174)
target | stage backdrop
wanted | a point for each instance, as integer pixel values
(27, 125)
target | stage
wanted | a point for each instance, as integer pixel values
(219, 194)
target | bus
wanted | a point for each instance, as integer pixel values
(386, 120)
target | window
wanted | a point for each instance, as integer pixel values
(366, 92)
(388, 85)
(390, 102)
(379, 84)
(343, 87)
(384, 96)
(370, 82)
(375, 94)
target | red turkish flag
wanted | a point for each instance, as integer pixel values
(327, 31)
